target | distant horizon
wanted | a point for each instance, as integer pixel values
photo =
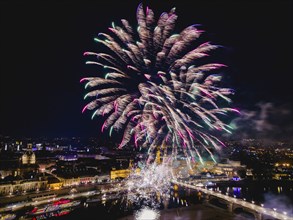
(264, 140)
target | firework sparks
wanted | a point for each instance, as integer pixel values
(158, 87)
(150, 185)
(166, 96)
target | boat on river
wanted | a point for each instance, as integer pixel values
(55, 206)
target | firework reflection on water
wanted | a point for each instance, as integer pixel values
(147, 213)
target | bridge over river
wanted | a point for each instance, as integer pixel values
(235, 204)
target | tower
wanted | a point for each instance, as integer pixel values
(158, 156)
(29, 156)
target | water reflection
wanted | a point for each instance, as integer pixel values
(237, 191)
(115, 208)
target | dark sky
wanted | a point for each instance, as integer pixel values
(42, 45)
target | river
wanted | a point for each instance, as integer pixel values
(270, 194)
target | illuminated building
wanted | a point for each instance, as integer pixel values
(230, 168)
(54, 183)
(283, 170)
(114, 174)
(19, 167)
(20, 186)
(122, 173)
(28, 157)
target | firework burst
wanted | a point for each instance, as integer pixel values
(157, 87)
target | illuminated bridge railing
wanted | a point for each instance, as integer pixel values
(240, 202)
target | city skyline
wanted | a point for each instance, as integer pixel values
(42, 62)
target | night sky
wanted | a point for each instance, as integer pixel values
(42, 61)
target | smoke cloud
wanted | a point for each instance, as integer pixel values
(266, 121)
(280, 203)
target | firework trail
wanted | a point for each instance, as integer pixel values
(157, 87)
